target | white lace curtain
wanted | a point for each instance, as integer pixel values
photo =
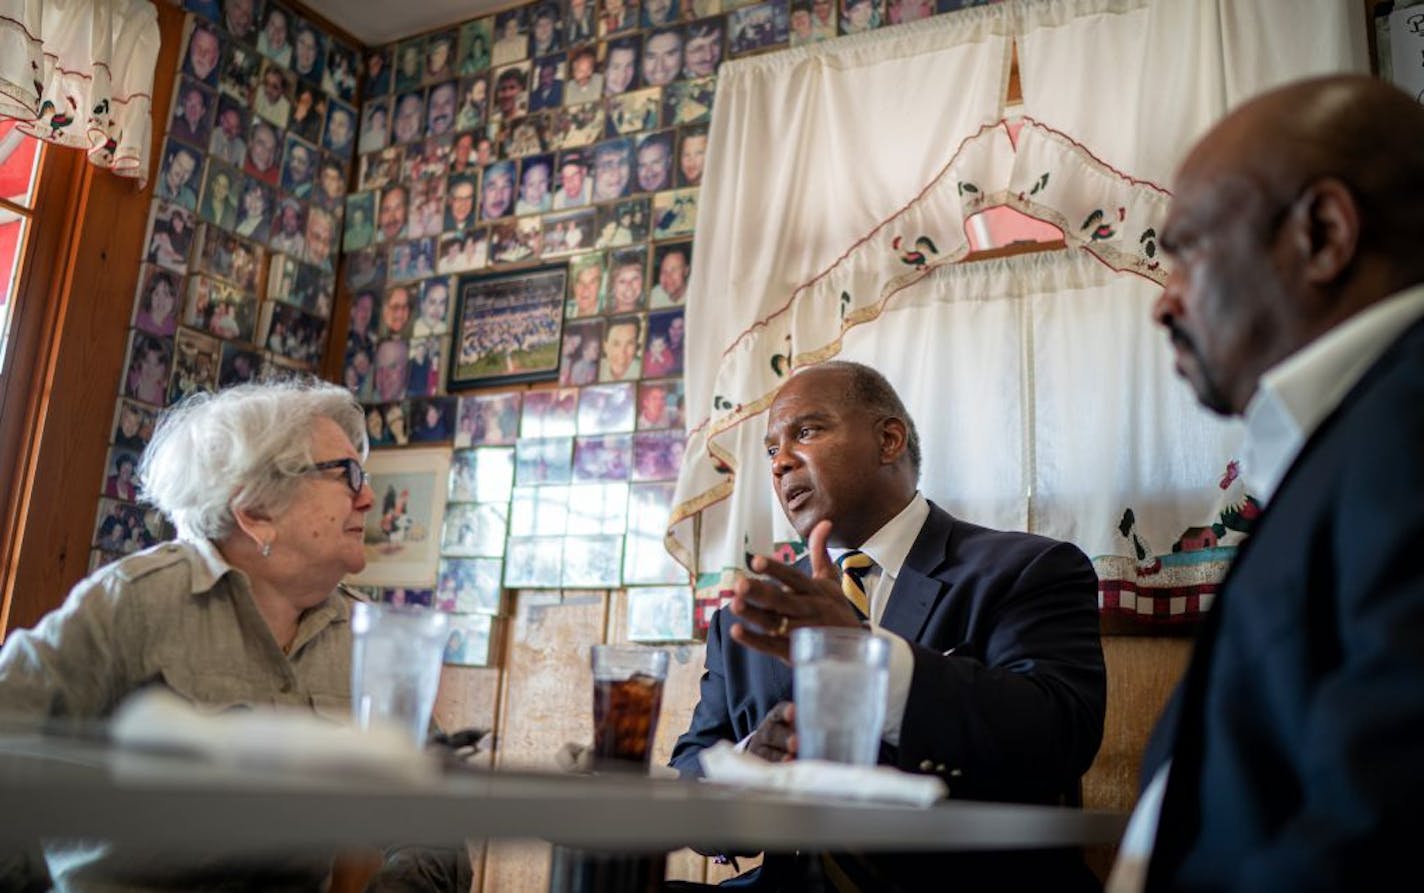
(838, 181)
(80, 73)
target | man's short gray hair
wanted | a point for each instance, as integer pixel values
(243, 447)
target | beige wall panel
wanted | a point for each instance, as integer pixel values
(1142, 671)
(547, 701)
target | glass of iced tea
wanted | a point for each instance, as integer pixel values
(627, 696)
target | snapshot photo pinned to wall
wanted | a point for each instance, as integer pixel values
(469, 642)
(659, 614)
(403, 531)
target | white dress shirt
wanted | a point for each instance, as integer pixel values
(888, 547)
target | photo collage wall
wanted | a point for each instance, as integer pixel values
(562, 140)
(563, 136)
(238, 271)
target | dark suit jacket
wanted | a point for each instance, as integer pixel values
(1297, 735)
(1014, 713)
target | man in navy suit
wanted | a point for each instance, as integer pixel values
(1292, 755)
(997, 679)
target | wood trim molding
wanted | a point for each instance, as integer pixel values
(76, 307)
(62, 183)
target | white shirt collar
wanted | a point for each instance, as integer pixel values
(890, 545)
(1296, 394)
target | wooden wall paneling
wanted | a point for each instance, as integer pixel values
(94, 301)
(469, 699)
(60, 191)
(680, 693)
(1142, 671)
(547, 700)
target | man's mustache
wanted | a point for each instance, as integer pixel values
(1181, 339)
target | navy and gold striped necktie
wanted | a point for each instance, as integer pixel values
(854, 566)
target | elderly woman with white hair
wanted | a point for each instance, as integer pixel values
(246, 609)
(265, 486)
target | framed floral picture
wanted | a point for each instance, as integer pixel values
(507, 327)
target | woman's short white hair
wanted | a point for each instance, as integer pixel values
(242, 448)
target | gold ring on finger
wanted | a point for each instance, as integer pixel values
(783, 627)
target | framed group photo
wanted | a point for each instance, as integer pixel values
(507, 327)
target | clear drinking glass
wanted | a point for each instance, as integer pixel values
(839, 680)
(395, 665)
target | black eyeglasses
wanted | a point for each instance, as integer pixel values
(356, 476)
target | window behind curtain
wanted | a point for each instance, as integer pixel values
(19, 162)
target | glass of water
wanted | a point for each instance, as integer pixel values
(839, 680)
(395, 665)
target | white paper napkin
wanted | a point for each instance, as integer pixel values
(722, 763)
(157, 721)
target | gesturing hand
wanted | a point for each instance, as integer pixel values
(775, 738)
(770, 609)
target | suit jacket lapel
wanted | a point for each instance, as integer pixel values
(916, 590)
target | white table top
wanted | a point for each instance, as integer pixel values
(55, 787)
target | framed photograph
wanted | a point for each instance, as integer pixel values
(403, 532)
(218, 308)
(657, 455)
(475, 530)
(597, 509)
(482, 475)
(431, 418)
(622, 223)
(133, 425)
(662, 357)
(476, 38)
(487, 420)
(645, 558)
(380, 169)
(149, 361)
(124, 527)
(288, 332)
(400, 595)
(534, 562)
(170, 236)
(238, 77)
(543, 460)
(469, 585)
(576, 125)
(376, 76)
(239, 365)
(157, 307)
(689, 102)
(550, 413)
(660, 614)
(758, 27)
(541, 510)
(592, 561)
(568, 232)
(469, 642)
(606, 409)
(196, 359)
(121, 474)
(633, 111)
(660, 404)
(674, 213)
(583, 345)
(507, 327)
(602, 458)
